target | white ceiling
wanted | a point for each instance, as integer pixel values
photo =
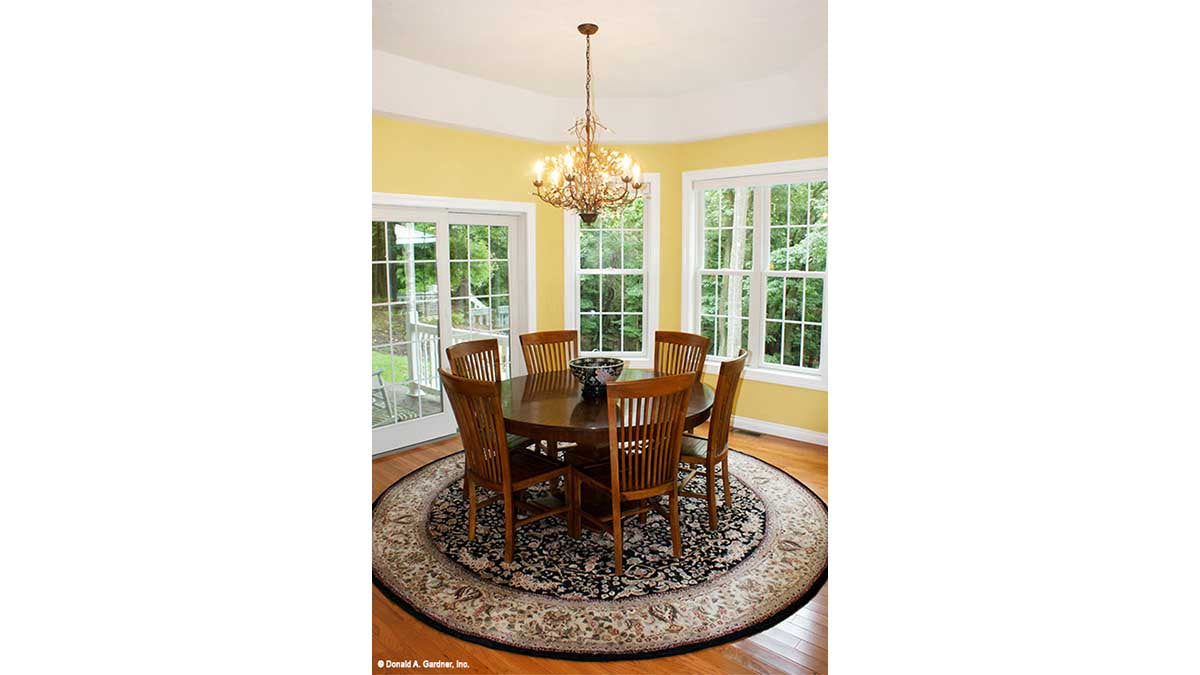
(645, 48)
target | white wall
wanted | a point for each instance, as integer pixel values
(413, 90)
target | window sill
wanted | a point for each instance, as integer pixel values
(760, 374)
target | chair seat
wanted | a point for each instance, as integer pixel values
(693, 447)
(599, 472)
(514, 441)
(525, 465)
(594, 502)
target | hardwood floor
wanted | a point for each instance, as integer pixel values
(796, 645)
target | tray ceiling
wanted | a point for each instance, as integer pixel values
(643, 50)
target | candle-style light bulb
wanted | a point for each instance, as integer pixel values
(569, 160)
(637, 173)
(625, 161)
(554, 177)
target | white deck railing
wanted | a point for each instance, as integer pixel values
(424, 358)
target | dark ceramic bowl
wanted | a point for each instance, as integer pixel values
(593, 372)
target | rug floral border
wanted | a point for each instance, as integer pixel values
(681, 648)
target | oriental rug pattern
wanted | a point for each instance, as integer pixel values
(559, 598)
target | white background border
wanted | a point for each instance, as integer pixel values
(1009, 510)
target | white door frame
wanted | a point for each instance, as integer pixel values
(399, 434)
(403, 434)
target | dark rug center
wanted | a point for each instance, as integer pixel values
(547, 561)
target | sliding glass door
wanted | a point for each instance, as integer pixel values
(480, 303)
(437, 278)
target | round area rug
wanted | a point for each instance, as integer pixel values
(559, 597)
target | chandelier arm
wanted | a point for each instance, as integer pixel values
(620, 198)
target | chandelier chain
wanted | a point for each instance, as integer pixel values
(588, 87)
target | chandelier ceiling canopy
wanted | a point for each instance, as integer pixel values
(587, 178)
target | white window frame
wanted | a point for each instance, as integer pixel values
(526, 212)
(401, 434)
(749, 175)
(650, 263)
(513, 222)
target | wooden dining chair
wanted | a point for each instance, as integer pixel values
(549, 350)
(676, 353)
(702, 455)
(645, 424)
(489, 464)
(480, 360)
(477, 359)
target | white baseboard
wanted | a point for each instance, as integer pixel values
(783, 430)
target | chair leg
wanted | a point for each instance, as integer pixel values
(470, 508)
(509, 529)
(711, 492)
(575, 490)
(675, 539)
(618, 540)
(572, 508)
(725, 473)
(642, 515)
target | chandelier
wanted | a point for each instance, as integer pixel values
(587, 178)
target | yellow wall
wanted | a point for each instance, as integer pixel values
(414, 158)
(421, 159)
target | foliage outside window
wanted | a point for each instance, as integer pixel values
(790, 272)
(612, 277)
(479, 300)
(404, 315)
(728, 263)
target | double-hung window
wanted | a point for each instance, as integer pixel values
(611, 270)
(754, 267)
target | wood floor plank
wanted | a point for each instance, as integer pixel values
(797, 645)
(817, 608)
(780, 640)
(815, 617)
(795, 632)
(784, 648)
(811, 626)
(802, 633)
(819, 652)
(764, 660)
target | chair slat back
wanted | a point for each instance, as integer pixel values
(549, 350)
(477, 359)
(645, 427)
(721, 419)
(476, 405)
(676, 353)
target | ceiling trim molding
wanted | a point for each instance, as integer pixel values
(604, 141)
(411, 90)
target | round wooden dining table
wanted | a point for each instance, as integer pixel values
(550, 407)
